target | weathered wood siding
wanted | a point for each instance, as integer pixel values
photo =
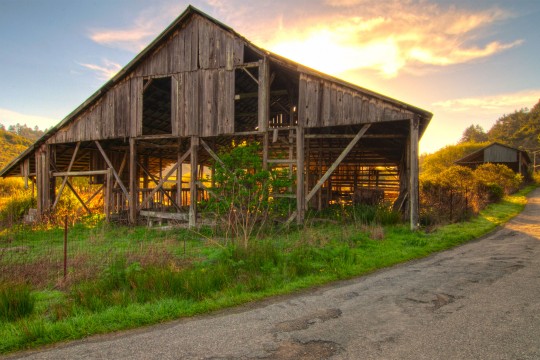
(497, 153)
(200, 59)
(203, 103)
(199, 44)
(108, 118)
(323, 103)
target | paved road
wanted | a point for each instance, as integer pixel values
(478, 301)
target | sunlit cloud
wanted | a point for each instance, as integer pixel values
(336, 36)
(495, 104)
(10, 117)
(389, 37)
(105, 71)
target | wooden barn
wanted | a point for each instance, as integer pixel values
(200, 87)
(517, 160)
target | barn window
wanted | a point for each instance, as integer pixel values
(157, 106)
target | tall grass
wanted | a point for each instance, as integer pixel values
(16, 301)
(132, 289)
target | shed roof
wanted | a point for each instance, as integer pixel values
(471, 157)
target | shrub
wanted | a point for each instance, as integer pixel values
(458, 192)
(16, 301)
(498, 174)
(242, 192)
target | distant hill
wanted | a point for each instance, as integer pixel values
(11, 145)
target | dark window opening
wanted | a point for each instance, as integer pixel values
(246, 100)
(157, 118)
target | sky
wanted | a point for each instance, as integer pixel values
(467, 62)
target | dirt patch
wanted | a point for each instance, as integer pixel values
(306, 321)
(313, 350)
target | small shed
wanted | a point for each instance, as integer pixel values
(517, 160)
(198, 89)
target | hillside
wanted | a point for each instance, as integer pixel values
(11, 145)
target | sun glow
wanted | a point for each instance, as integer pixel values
(331, 52)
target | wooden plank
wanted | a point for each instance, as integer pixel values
(180, 160)
(193, 182)
(174, 105)
(238, 57)
(194, 43)
(156, 137)
(133, 182)
(204, 43)
(413, 173)
(225, 107)
(79, 173)
(264, 94)
(300, 172)
(165, 215)
(192, 98)
(312, 104)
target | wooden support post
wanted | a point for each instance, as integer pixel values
(300, 187)
(264, 94)
(319, 174)
(43, 182)
(179, 174)
(133, 182)
(413, 173)
(193, 182)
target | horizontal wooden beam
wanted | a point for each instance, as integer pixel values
(165, 215)
(282, 161)
(351, 136)
(255, 94)
(248, 65)
(156, 137)
(79, 173)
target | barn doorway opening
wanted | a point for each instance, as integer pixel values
(157, 119)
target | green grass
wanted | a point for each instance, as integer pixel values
(128, 291)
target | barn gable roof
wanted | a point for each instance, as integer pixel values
(191, 11)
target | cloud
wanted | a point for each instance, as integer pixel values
(146, 26)
(105, 71)
(389, 36)
(10, 117)
(495, 104)
(336, 36)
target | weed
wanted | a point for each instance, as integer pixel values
(16, 301)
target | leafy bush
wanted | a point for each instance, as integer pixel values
(498, 174)
(16, 301)
(242, 192)
(458, 192)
